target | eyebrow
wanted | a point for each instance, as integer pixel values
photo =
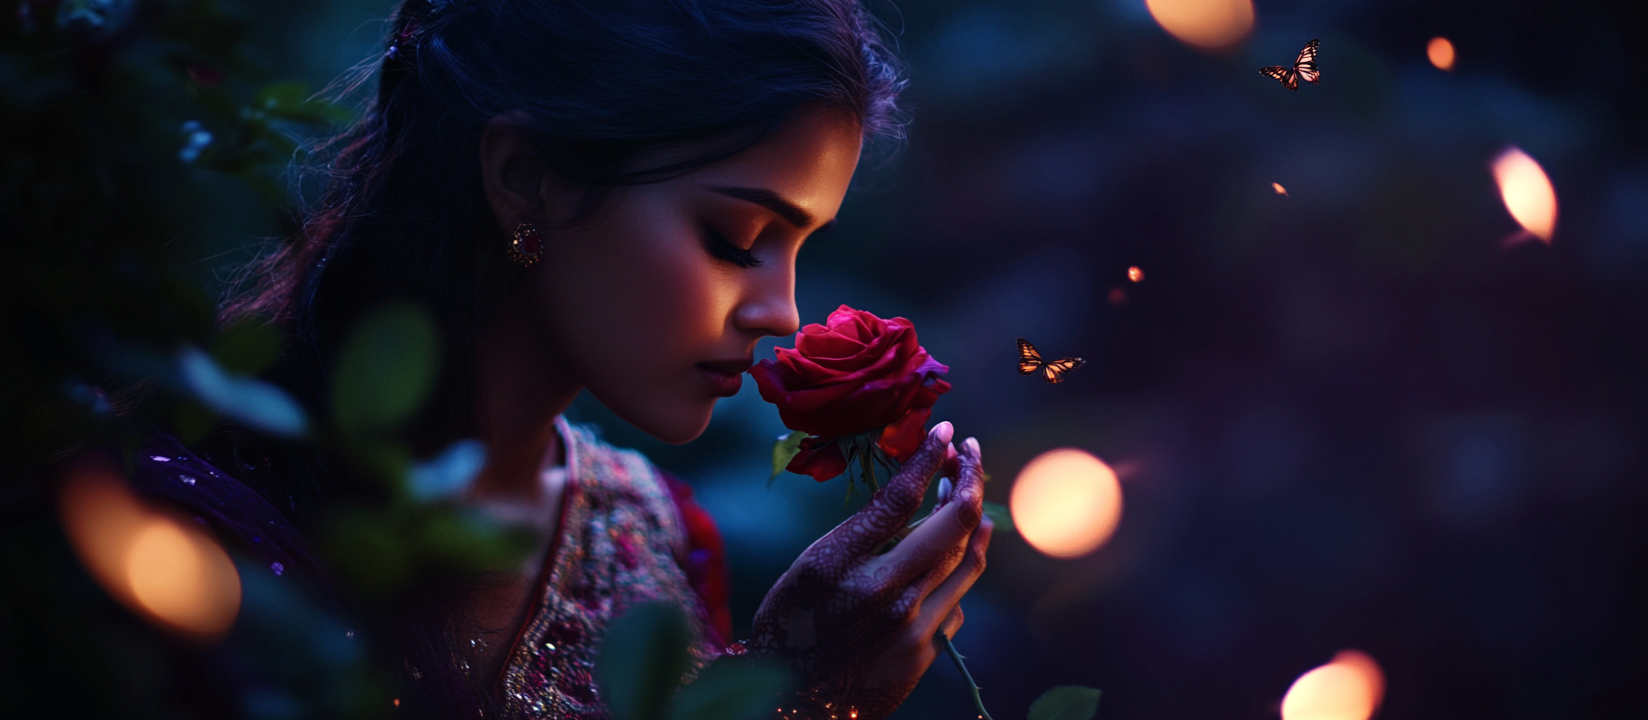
(791, 212)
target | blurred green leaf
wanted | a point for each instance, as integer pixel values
(784, 451)
(247, 348)
(448, 474)
(1001, 517)
(293, 101)
(1066, 702)
(466, 542)
(386, 368)
(192, 420)
(253, 402)
(732, 688)
(642, 660)
(368, 549)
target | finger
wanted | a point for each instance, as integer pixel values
(952, 622)
(932, 551)
(947, 474)
(936, 606)
(952, 463)
(892, 507)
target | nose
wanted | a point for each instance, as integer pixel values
(768, 307)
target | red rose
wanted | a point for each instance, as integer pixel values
(855, 374)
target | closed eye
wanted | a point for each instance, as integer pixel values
(723, 249)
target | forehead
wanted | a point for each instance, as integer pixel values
(809, 161)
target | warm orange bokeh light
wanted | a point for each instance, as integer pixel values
(1527, 192)
(1348, 688)
(1440, 51)
(1204, 24)
(1278, 188)
(1135, 274)
(1066, 503)
(165, 570)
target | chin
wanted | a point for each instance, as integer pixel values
(678, 423)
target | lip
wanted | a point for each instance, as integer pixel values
(725, 377)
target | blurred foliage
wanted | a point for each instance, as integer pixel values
(1066, 702)
(645, 655)
(121, 119)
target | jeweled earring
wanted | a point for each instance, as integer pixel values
(527, 246)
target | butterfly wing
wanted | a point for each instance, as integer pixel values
(1283, 75)
(1054, 372)
(1029, 359)
(1305, 67)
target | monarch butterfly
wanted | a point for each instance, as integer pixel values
(1303, 69)
(1053, 372)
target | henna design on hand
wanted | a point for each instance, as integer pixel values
(858, 628)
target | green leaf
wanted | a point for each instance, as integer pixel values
(293, 101)
(253, 402)
(247, 348)
(1000, 517)
(448, 474)
(467, 542)
(369, 550)
(642, 660)
(386, 369)
(784, 451)
(732, 688)
(1066, 702)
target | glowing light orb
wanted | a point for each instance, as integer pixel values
(1066, 503)
(1278, 188)
(1117, 296)
(1527, 192)
(170, 573)
(1440, 51)
(1204, 24)
(1135, 274)
(1348, 688)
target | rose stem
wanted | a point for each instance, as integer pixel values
(978, 702)
(869, 471)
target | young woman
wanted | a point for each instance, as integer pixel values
(610, 196)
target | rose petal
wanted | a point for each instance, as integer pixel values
(901, 439)
(819, 457)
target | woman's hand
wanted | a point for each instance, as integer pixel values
(859, 627)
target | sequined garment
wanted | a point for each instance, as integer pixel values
(621, 542)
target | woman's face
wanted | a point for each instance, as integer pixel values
(656, 305)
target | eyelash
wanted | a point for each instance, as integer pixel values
(721, 248)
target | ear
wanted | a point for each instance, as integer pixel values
(519, 186)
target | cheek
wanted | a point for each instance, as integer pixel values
(633, 307)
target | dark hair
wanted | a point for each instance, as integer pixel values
(598, 83)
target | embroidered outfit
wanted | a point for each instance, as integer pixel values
(621, 541)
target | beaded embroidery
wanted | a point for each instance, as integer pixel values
(620, 543)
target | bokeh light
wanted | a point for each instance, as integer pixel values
(1440, 51)
(1204, 24)
(1278, 188)
(1527, 192)
(1135, 274)
(167, 571)
(1066, 502)
(1349, 687)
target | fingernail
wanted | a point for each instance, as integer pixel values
(944, 487)
(972, 445)
(943, 431)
